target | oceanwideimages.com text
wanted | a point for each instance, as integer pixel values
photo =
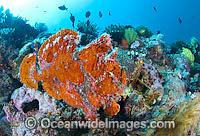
(32, 123)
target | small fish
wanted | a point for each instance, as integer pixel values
(179, 20)
(155, 9)
(87, 14)
(142, 31)
(72, 18)
(109, 13)
(62, 7)
(158, 32)
(36, 7)
(140, 61)
(45, 11)
(100, 14)
(88, 22)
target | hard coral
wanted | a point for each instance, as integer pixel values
(20, 108)
(85, 78)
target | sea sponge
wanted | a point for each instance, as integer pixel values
(187, 52)
(130, 35)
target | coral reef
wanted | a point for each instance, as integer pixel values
(186, 118)
(7, 82)
(96, 78)
(157, 82)
(155, 87)
(40, 27)
(14, 32)
(17, 23)
(146, 80)
(21, 108)
(175, 47)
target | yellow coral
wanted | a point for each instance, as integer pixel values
(187, 52)
(130, 35)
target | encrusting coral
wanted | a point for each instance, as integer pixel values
(86, 78)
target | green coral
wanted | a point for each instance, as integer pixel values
(130, 35)
(187, 52)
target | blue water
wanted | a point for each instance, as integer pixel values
(125, 12)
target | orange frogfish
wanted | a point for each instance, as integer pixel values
(86, 78)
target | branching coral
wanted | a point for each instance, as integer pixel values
(85, 78)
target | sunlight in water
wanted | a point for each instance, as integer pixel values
(18, 6)
(45, 10)
(14, 4)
